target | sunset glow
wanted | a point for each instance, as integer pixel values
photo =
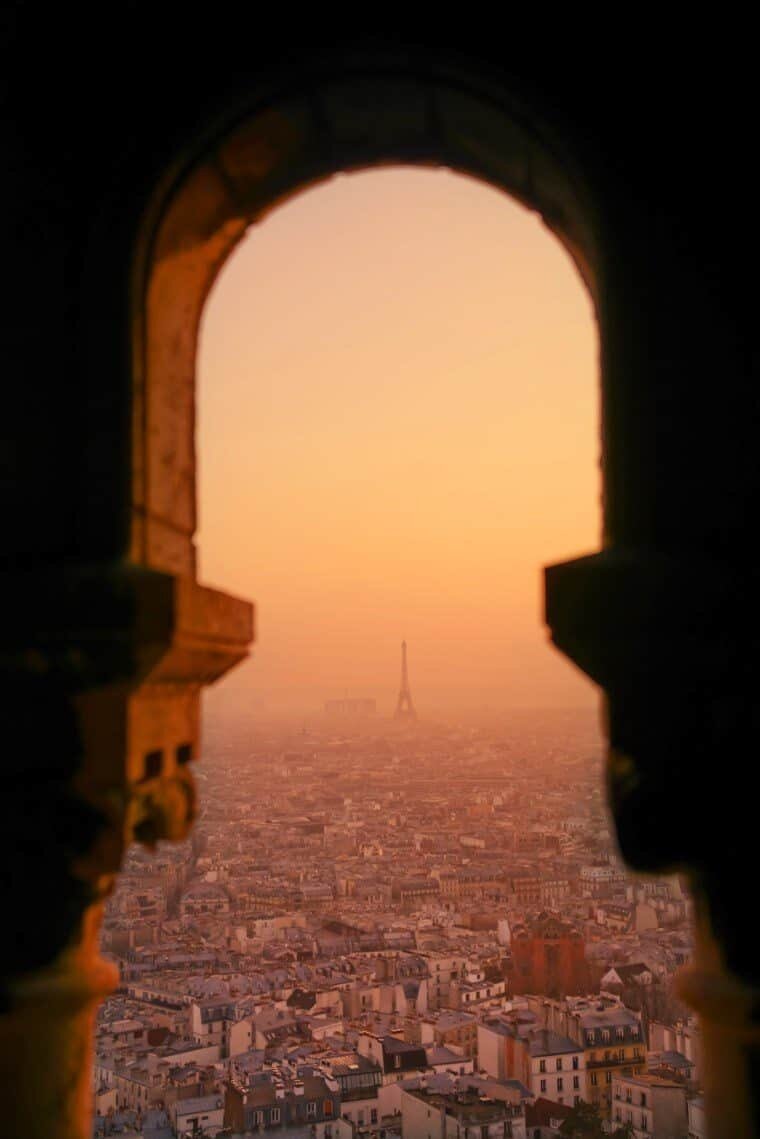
(397, 429)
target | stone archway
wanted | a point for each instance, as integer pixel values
(343, 123)
(126, 637)
(398, 114)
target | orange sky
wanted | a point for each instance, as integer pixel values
(397, 428)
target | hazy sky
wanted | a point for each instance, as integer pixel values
(397, 428)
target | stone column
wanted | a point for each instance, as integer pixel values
(102, 680)
(662, 638)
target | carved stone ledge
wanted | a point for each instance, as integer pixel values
(104, 667)
(622, 613)
(100, 624)
(672, 642)
(661, 637)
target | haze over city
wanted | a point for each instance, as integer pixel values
(398, 390)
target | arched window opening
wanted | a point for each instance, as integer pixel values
(108, 675)
(398, 426)
(385, 488)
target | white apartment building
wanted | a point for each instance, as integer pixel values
(655, 1108)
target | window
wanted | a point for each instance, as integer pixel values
(542, 1065)
(576, 1082)
(576, 1100)
(543, 1085)
(311, 1108)
(274, 1115)
(594, 1078)
(258, 1118)
(608, 1077)
(575, 1062)
(396, 1061)
(606, 1035)
(559, 1064)
(373, 1115)
(620, 1033)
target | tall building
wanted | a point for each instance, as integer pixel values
(611, 1036)
(548, 957)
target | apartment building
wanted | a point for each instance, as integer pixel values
(654, 1107)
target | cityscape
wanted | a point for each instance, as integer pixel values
(378, 460)
(392, 927)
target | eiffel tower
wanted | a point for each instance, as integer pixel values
(404, 707)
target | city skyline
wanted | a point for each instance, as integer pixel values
(386, 922)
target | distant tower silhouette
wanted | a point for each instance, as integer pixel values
(404, 707)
